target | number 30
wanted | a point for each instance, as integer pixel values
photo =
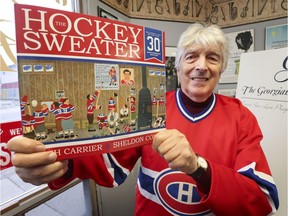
(153, 44)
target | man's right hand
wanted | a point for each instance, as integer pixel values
(33, 163)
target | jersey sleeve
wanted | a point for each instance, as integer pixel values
(247, 188)
(109, 170)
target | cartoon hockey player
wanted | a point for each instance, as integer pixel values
(112, 75)
(102, 121)
(28, 120)
(132, 102)
(23, 103)
(56, 111)
(154, 101)
(39, 114)
(67, 121)
(113, 116)
(124, 111)
(126, 128)
(91, 108)
(161, 101)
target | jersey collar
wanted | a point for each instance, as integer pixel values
(196, 117)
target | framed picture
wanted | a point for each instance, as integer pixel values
(38, 68)
(105, 14)
(239, 42)
(276, 37)
(59, 94)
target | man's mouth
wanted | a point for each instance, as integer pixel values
(200, 79)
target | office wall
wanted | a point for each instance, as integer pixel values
(174, 29)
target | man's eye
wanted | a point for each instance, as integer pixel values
(190, 58)
(213, 59)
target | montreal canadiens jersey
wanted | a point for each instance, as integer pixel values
(226, 134)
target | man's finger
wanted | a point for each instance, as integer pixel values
(25, 145)
(33, 159)
(43, 174)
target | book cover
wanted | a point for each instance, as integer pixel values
(88, 84)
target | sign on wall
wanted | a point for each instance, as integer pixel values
(239, 42)
(276, 37)
(263, 88)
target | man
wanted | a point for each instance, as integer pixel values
(113, 115)
(127, 78)
(67, 121)
(90, 108)
(207, 162)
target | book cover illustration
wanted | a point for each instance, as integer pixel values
(87, 80)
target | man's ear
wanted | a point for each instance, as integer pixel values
(177, 72)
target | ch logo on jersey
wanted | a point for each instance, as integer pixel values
(178, 193)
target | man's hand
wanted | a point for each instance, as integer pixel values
(176, 150)
(32, 163)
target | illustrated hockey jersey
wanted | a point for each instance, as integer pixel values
(66, 110)
(226, 134)
(90, 103)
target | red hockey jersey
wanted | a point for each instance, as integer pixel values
(226, 134)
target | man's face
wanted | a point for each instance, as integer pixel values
(67, 101)
(199, 71)
(127, 75)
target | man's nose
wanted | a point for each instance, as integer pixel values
(201, 63)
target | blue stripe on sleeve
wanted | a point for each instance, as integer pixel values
(146, 182)
(269, 186)
(119, 175)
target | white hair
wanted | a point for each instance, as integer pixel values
(204, 35)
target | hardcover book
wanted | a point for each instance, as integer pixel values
(88, 84)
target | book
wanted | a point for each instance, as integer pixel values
(88, 84)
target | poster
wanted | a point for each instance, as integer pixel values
(276, 37)
(7, 131)
(74, 97)
(263, 88)
(239, 42)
